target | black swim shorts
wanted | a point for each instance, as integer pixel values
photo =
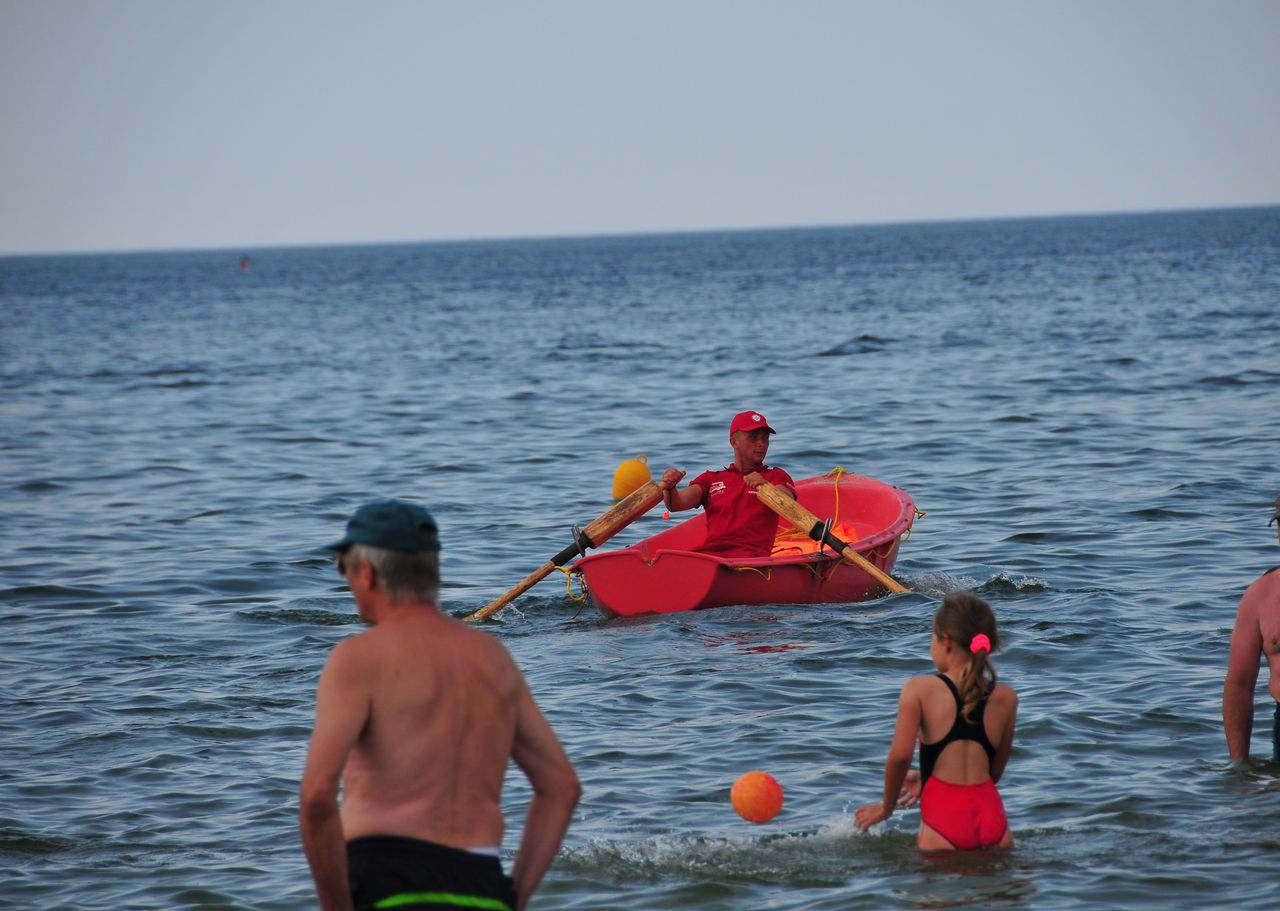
(1275, 735)
(408, 874)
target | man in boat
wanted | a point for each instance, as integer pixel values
(738, 524)
(417, 717)
(1256, 636)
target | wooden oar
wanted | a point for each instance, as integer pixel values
(814, 527)
(619, 516)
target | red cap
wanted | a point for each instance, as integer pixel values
(749, 420)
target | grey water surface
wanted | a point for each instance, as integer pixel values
(1086, 409)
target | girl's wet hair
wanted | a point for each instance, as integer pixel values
(961, 617)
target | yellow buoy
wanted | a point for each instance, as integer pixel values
(631, 476)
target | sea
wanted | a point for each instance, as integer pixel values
(1085, 409)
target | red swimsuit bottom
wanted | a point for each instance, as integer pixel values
(967, 815)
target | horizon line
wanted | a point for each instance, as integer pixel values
(620, 234)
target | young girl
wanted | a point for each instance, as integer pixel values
(964, 721)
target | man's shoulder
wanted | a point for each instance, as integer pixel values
(368, 654)
(482, 638)
(775, 475)
(352, 657)
(1259, 605)
(367, 641)
(1266, 587)
(474, 641)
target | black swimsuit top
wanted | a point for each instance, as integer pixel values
(960, 730)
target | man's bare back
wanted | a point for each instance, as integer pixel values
(429, 764)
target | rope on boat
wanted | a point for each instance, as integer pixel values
(568, 583)
(815, 569)
(920, 514)
(885, 551)
(582, 606)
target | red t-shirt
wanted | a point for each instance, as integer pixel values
(738, 524)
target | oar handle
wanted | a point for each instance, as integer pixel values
(623, 513)
(815, 528)
(618, 517)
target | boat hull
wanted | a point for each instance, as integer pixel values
(663, 574)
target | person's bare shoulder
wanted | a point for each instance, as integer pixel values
(350, 667)
(486, 652)
(922, 687)
(353, 651)
(1263, 594)
(917, 685)
(474, 637)
(1260, 611)
(1004, 696)
(1259, 606)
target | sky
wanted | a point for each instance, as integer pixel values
(162, 124)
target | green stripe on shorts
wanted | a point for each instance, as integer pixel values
(441, 898)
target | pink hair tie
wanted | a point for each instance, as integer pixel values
(980, 643)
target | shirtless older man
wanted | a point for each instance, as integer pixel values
(417, 717)
(1257, 633)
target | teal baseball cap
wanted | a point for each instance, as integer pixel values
(391, 525)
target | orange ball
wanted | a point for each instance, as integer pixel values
(756, 796)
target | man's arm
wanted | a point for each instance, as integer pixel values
(555, 793)
(675, 499)
(1242, 675)
(342, 707)
(684, 498)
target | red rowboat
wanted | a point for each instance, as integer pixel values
(662, 575)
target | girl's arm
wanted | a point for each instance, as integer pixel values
(1006, 737)
(898, 764)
